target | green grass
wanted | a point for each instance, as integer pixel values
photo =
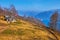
(17, 32)
(13, 32)
(8, 31)
(30, 30)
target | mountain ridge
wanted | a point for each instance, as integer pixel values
(41, 15)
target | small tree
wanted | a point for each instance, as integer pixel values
(13, 10)
(53, 20)
(1, 10)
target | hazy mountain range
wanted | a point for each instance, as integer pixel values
(43, 16)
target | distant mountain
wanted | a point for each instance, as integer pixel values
(43, 16)
(27, 13)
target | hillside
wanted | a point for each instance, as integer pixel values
(25, 30)
(15, 27)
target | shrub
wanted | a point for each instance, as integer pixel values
(8, 31)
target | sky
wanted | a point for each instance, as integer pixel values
(32, 5)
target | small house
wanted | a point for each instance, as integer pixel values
(9, 18)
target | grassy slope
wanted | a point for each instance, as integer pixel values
(23, 30)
